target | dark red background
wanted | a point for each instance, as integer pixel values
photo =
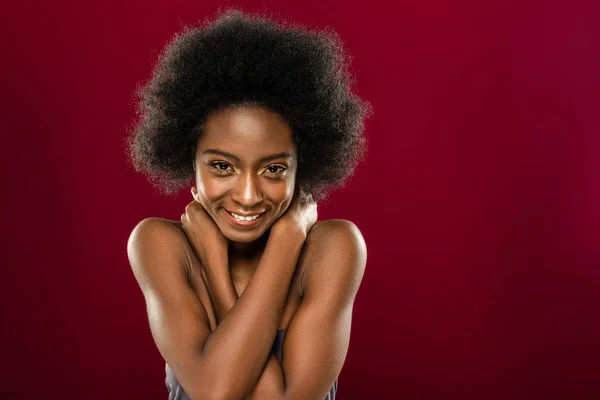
(479, 202)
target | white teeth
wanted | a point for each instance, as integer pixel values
(242, 218)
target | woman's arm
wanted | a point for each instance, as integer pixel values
(236, 352)
(223, 297)
(225, 363)
(239, 347)
(318, 337)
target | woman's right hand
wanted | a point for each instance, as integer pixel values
(301, 214)
(202, 232)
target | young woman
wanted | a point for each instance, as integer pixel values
(248, 295)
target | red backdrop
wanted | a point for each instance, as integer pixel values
(479, 202)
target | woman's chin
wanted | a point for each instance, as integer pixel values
(243, 237)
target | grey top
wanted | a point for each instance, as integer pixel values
(176, 392)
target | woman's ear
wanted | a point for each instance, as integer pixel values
(195, 193)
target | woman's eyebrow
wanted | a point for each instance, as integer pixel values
(237, 159)
(275, 156)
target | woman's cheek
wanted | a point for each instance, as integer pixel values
(208, 187)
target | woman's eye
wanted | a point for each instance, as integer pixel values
(221, 167)
(273, 169)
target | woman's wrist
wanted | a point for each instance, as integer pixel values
(290, 230)
(215, 263)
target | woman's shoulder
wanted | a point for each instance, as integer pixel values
(336, 252)
(334, 227)
(158, 226)
(163, 221)
(151, 232)
(334, 235)
(160, 238)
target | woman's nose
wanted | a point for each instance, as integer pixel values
(247, 191)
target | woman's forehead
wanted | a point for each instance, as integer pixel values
(247, 132)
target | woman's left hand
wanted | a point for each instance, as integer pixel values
(202, 232)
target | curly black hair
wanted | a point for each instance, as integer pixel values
(247, 59)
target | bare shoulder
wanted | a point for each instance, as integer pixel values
(154, 231)
(338, 235)
(336, 227)
(159, 224)
(156, 237)
(336, 250)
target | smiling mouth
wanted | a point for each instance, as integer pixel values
(241, 220)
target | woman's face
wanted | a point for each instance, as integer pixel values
(245, 164)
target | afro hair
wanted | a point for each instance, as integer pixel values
(247, 59)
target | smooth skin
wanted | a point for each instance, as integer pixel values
(216, 293)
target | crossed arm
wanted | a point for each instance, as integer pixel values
(223, 297)
(228, 363)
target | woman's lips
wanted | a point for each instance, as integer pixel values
(237, 222)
